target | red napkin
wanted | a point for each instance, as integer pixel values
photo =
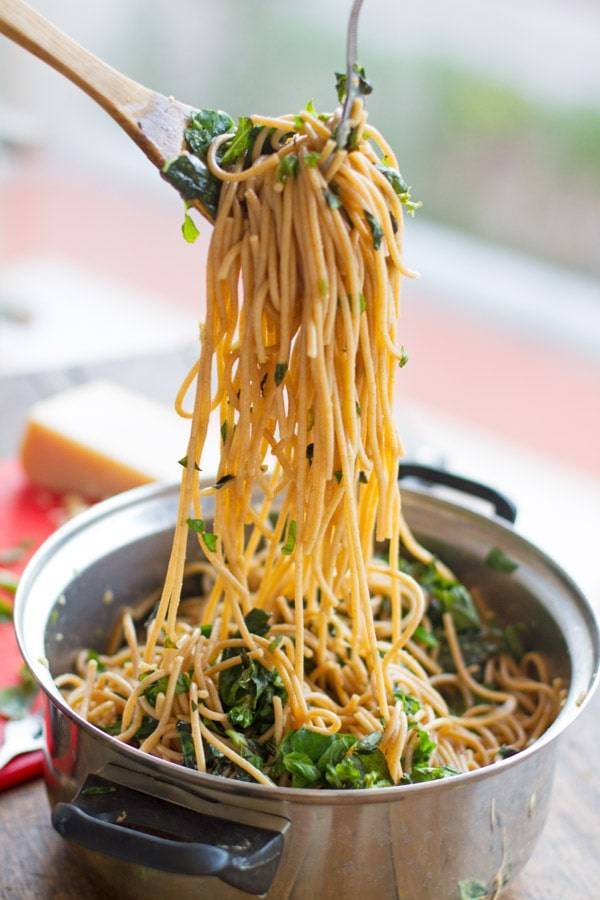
(27, 514)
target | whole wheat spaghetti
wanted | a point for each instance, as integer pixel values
(324, 647)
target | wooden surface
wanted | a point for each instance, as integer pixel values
(35, 864)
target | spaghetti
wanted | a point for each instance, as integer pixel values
(325, 647)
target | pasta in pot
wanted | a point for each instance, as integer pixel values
(311, 657)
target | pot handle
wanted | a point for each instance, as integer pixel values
(151, 832)
(503, 507)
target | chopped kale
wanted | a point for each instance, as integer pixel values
(184, 732)
(290, 541)
(240, 143)
(376, 229)
(498, 560)
(341, 82)
(287, 168)
(203, 127)
(93, 654)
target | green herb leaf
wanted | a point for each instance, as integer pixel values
(182, 686)
(472, 890)
(184, 461)
(280, 372)
(369, 743)
(240, 143)
(331, 198)
(274, 644)
(191, 177)
(257, 621)
(6, 611)
(338, 475)
(184, 733)
(427, 638)
(341, 82)
(512, 639)
(203, 127)
(362, 304)
(362, 477)
(290, 541)
(189, 229)
(498, 560)
(410, 704)
(8, 581)
(196, 525)
(403, 357)
(93, 654)
(287, 168)
(210, 539)
(505, 752)
(299, 122)
(418, 774)
(311, 159)
(401, 188)
(206, 630)
(223, 480)
(16, 700)
(310, 107)
(376, 229)
(423, 749)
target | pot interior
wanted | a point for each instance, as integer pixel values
(116, 554)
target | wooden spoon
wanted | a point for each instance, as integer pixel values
(155, 122)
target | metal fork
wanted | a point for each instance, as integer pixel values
(21, 736)
(343, 128)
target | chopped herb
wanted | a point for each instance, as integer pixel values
(224, 432)
(169, 643)
(427, 638)
(410, 704)
(194, 706)
(423, 749)
(310, 450)
(184, 461)
(512, 639)
(223, 480)
(247, 690)
(498, 560)
(240, 142)
(210, 539)
(206, 630)
(418, 774)
(8, 581)
(331, 198)
(160, 686)
(352, 142)
(257, 621)
(472, 890)
(310, 107)
(16, 700)
(341, 81)
(189, 229)
(192, 178)
(263, 381)
(274, 644)
(338, 475)
(290, 542)
(93, 654)
(287, 168)
(362, 302)
(184, 733)
(403, 357)
(280, 372)
(376, 229)
(358, 408)
(196, 525)
(505, 752)
(203, 127)
(299, 122)
(401, 188)
(311, 159)
(369, 743)
(362, 477)
(95, 789)
(6, 611)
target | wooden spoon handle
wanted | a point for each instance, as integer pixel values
(131, 104)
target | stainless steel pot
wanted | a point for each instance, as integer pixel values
(155, 829)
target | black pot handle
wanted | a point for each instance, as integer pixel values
(503, 507)
(150, 832)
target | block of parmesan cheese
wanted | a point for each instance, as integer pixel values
(99, 439)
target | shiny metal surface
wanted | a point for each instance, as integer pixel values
(415, 842)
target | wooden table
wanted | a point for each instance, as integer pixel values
(35, 864)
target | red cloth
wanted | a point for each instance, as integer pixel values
(31, 514)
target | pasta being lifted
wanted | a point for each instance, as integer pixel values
(325, 648)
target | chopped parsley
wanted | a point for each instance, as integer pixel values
(287, 168)
(189, 229)
(376, 229)
(290, 541)
(498, 560)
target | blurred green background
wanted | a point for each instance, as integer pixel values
(493, 108)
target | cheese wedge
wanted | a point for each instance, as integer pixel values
(99, 439)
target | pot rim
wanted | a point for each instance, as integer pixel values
(570, 711)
